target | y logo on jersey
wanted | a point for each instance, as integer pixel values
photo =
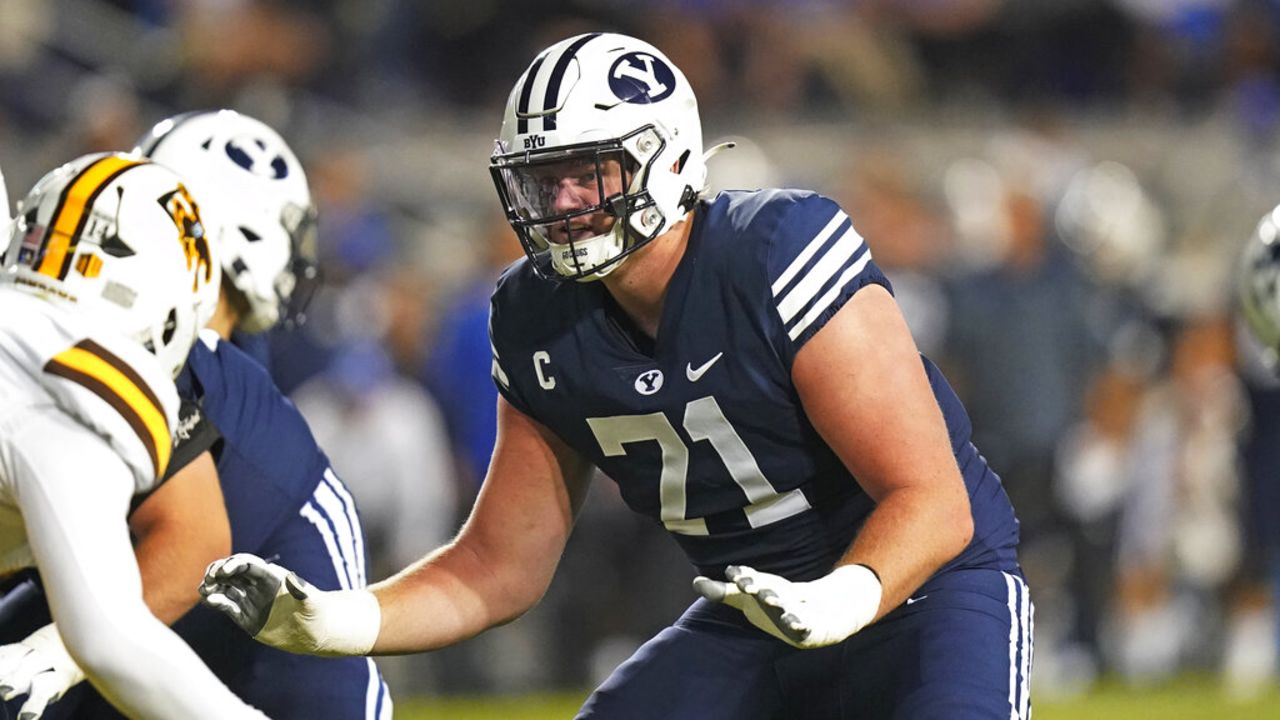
(641, 78)
(649, 382)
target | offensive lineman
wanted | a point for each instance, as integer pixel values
(739, 367)
(102, 292)
(283, 499)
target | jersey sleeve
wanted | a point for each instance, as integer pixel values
(119, 396)
(816, 262)
(196, 433)
(500, 368)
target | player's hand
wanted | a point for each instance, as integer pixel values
(38, 667)
(802, 614)
(278, 608)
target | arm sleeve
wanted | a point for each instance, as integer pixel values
(74, 504)
(501, 376)
(196, 433)
(816, 262)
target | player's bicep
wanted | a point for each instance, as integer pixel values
(178, 531)
(864, 388)
(534, 488)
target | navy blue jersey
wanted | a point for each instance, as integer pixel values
(268, 461)
(702, 429)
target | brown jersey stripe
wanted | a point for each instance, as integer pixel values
(124, 369)
(109, 396)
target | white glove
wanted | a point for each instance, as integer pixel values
(280, 609)
(802, 614)
(38, 667)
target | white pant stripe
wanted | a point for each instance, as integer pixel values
(314, 516)
(1010, 583)
(1021, 647)
(357, 532)
(333, 508)
(1028, 648)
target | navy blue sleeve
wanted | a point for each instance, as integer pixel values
(815, 262)
(501, 367)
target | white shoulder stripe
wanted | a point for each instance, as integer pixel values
(817, 278)
(830, 296)
(809, 250)
(496, 370)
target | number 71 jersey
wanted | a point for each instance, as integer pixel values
(702, 428)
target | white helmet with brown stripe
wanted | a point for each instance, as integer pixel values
(600, 152)
(119, 239)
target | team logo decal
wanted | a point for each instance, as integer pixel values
(649, 382)
(186, 216)
(641, 78)
(252, 155)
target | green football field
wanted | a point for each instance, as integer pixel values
(1188, 699)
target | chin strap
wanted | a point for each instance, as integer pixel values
(717, 149)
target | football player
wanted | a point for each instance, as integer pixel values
(105, 274)
(283, 500)
(738, 366)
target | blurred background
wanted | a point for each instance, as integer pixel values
(1057, 189)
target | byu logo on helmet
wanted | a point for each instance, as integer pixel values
(252, 155)
(649, 382)
(641, 78)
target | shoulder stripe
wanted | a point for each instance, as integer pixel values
(551, 100)
(830, 296)
(105, 375)
(819, 275)
(71, 214)
(818, 241)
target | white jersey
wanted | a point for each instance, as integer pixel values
(86, 421)
(49, 359)
(50, 362)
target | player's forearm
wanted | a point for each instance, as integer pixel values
(910, 535)
(145, 670)
(170, 573)
(447, 597)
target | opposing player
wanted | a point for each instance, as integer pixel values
(105, 268)
(739, 367)
(283, 500)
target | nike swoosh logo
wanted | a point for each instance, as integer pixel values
(694, 374)
(914, 600)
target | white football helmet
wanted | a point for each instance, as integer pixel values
(257, 203)
(1259, 284)
(600, 152)
(119, 239)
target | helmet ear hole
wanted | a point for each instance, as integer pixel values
(170, 326)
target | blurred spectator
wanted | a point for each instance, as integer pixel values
(1179, 542)
(459, 360)
(388, 442)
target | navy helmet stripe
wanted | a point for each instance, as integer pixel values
(549, 101)
(522, 110)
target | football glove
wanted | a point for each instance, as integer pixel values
(802, 614)
(278, 608)
(39, 667)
